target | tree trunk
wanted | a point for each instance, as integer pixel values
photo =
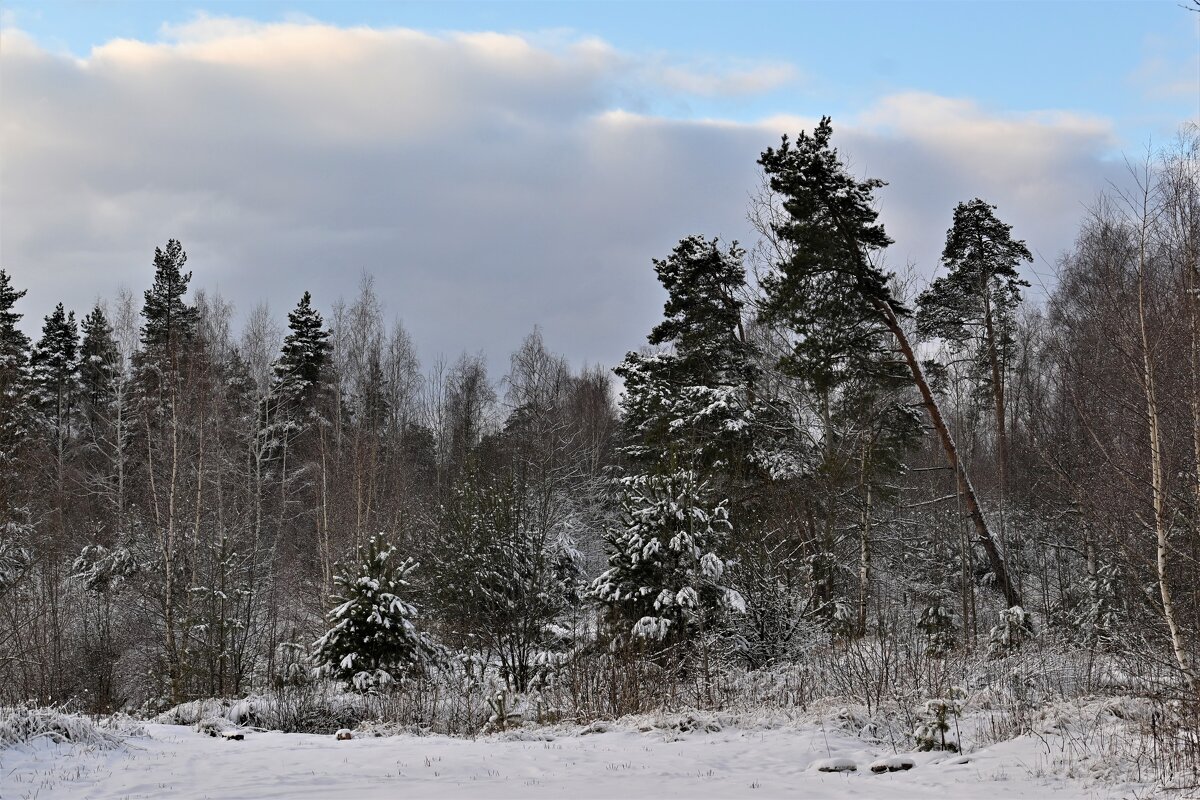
(965, 488)
(864, 550)
(1157, 477)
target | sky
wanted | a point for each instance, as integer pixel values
(501, 165)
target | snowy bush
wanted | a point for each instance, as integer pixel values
(102, 569)
(1010, 633)
(931, 732)
(22, 724)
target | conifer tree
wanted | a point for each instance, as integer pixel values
(829, 292)
(972, 307)
(14, 385)
(301, 368)
(55, 369)
(836, 299)
(505, 575)
(665, 573)
(99, 360)
(374, 639)
(695, 402)
(168, 322)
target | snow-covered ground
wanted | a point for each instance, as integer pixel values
(619, 762)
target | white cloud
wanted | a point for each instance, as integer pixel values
(489, 181)
(726, 80)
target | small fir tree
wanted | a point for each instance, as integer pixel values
(374, 639)
(1009, 634)
(938, 626)
(931, 732)
(1098, 618)
(665, 574)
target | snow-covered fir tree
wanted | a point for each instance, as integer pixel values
(374, 639)
(665, 577)
(1010, 633)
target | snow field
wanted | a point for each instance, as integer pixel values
(178, 762)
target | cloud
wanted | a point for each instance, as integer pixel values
(726, 80)
(490, 181)
(1163, 78)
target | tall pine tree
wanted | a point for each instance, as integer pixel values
(973, 306)
(168, 322)
(836, 298)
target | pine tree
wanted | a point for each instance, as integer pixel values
(14, 387)
(972, 307)
(374, 639)
(168, 322)
(55, 369)
(301, 368)
(836, 299)
(665, 574)
(829, 292)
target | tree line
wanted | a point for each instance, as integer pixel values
(808, 451)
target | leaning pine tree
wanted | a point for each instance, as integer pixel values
(373, 639)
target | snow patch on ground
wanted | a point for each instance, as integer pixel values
(632, 758)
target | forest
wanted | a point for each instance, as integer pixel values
(820, 477)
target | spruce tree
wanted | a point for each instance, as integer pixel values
(55, 369)
(374, 639)
(99, 361)
(300, 371)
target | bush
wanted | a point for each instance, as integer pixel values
(23, 724)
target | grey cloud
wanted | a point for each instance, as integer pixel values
(487, 182)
